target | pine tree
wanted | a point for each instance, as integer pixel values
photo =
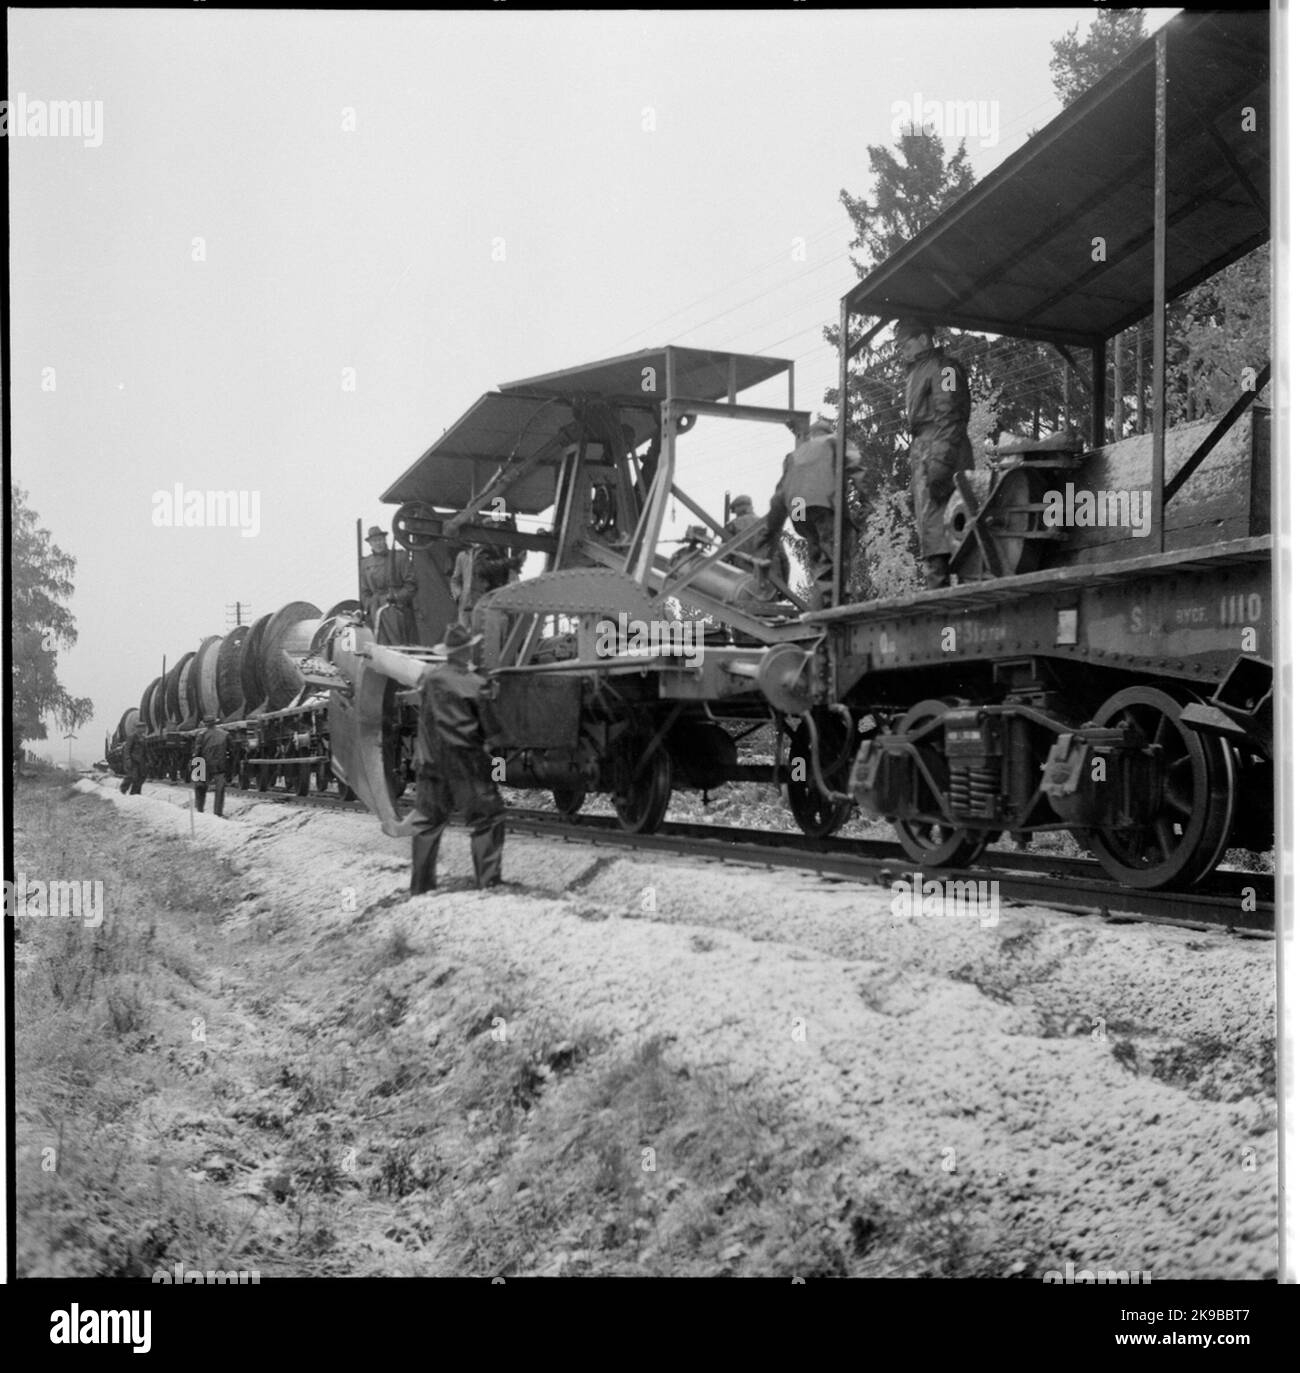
(1079, 63)
(911, 191)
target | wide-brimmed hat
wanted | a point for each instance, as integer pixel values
(374, 532)
(457, 639)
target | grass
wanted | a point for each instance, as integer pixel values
(361, 1105)
(99, 1191)
(643, 1166)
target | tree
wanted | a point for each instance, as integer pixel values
(1220, 334)
(910, 192)
(41, 580)
(913, 185)
(914, 182)
(1079, 63)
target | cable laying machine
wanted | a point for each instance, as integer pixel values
(615, 669)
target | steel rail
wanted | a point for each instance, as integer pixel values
(1025, 879)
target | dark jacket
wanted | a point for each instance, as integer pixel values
(746, 521)
(213, 746)
(809, 473)
(454, 712)
(134, 751)
(387, 576)
(937, 401)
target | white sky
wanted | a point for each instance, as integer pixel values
(372, 250)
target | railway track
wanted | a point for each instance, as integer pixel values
(1068, 884)
(1073, 885)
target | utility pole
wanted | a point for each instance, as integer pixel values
(69, 738)
(237, 614)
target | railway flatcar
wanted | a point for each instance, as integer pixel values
(1105, 664)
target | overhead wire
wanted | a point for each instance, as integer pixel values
(783, 256)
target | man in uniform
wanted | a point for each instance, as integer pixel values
(481, 568)
(456, 726)
(806, 495)
(208, 764)
(743, 517)
(388, 590)
(468, 581)
(454, 772)
(133, 760)
(937, 405)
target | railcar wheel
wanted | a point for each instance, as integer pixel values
(930, 842)
(569, 800)
(1186, 837)
(815, 813)
(641, 798)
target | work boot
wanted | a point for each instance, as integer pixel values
(936, 572)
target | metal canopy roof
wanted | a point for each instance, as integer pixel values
(496, 428)
(699, 374)
(1015, 254)
(529, 420)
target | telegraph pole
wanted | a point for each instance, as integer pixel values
(237, 614)
(69, 738)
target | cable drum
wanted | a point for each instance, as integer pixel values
(229, 689)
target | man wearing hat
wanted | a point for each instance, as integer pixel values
(208, 764)
(937, 406)
(454, 770)
(388, 590)
(743, 517)
(133, 760)
(806, 495)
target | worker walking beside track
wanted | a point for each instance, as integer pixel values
(454, 771)
(133, 761)
(209, 764)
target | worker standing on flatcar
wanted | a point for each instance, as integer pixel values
(388, 590)
(209, 763)
(481, 568)
(743, 517)
(457, 726)
(134, 752)
(806, 495)
(469, 580)
(937, 406)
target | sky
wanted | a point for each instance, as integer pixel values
(301, 244)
